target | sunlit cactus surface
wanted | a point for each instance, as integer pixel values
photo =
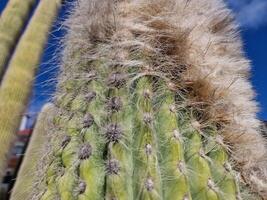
(153, 103)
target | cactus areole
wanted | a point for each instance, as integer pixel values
(145, 106)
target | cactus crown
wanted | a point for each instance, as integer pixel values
(145, 105)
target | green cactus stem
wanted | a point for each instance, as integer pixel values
(35, 148)
(16, 84)
(80, 149)
(201, 183)
(13, 19)
(118, 133)
(222, 173)
(172, 141)
(147, 176)
(135, 119)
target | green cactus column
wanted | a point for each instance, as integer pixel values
(147, 175)
(77, 169)
(118, 134)
(131, 121)
(201, 184)
(28, 169)
(221, 169)
(16, 84)
(171, 143)
(13, 19)
(96, 118)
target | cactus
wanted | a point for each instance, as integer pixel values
(12, 22)
(25, 178)
(146, 109)
(16, 84)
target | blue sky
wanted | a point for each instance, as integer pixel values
(251, 14)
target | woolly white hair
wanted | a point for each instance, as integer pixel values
(197, 45)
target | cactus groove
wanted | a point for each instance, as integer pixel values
(127, 127)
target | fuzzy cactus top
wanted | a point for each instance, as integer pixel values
(180, 73)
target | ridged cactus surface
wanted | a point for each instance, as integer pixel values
(35, 148)
(122, 142)
(142, 114)
(17, 82)
(13, 19)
